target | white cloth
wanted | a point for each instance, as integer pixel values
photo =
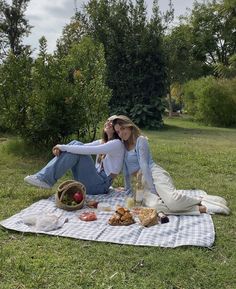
(44, 222)
(113, 149)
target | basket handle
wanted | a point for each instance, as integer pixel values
(62, 195)
(63, 185)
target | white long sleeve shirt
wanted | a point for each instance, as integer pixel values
(113, 150)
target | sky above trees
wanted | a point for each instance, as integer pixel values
(49, 17)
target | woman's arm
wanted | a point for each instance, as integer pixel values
(94, 143)
(56, 151)
(90, 149)
(143, 152)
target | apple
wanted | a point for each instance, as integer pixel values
(78, 197)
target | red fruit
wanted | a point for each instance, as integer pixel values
(78, 197)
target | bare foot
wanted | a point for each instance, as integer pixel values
(202, 209)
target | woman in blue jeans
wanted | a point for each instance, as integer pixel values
(96, 177)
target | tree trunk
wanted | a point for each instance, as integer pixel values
(170, 104)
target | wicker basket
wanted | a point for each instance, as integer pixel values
(148, 217)
(68, 188)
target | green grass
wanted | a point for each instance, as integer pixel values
(196, 156)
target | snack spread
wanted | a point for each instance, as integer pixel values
(122, 217)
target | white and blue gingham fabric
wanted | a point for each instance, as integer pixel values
(180, 231)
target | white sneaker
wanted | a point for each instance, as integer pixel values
(215, 208)
(35, 181)
(216, 199)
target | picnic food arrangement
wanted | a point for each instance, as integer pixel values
(106, 218)
(71, 195)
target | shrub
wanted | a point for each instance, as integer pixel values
(211, 101)
(68, 96)
(87, 60)
(15, 87)
(148, 116)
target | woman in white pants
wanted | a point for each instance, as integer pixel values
(162, 193)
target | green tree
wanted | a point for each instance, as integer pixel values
(134, 56)
(15, 88)
(227, 71)
(133, 45)
(69, 94)
(88, 64)
(211, 100)
(214, 32)
(202, 44)
(13, 26)
(72, 33)
(182, 66)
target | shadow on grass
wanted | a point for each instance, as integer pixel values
(172, 128)
(184, 130)
(44, 196)
(18, 147)
(198, 130)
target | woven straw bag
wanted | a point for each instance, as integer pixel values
(68, 188)
(148, 217)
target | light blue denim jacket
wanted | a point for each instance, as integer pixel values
(139, 159)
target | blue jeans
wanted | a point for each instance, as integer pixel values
(83, 170)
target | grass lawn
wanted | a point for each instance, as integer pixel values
(196, 157)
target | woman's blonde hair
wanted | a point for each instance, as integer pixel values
(124, 121)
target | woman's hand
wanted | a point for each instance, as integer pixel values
(56, 151)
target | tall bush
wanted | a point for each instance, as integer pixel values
(68, 96)
(49, 113)
(211, 100)
(87, 62)
(15, 88)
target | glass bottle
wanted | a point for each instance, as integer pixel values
(139, 189)
(131, 201)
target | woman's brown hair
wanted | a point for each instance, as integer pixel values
(124, 121)
(105, 138)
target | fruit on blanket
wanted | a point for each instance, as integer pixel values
(163, 218)
(78, 197)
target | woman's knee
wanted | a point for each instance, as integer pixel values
(174, 201)
(75, 142)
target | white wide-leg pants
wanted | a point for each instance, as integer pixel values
(170, 200)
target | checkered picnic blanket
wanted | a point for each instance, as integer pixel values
(180, 231)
